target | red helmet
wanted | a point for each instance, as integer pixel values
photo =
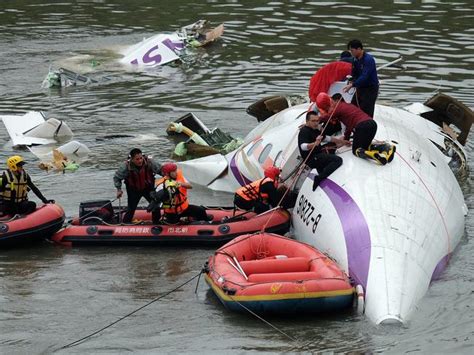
(271, 172)
(323, 101)
(167, 168)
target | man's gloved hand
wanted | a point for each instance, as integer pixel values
(171, 183)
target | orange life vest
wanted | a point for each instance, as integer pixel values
(177, 201)
(251, 192)
(179, 177)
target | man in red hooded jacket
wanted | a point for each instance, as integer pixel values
(358, 123)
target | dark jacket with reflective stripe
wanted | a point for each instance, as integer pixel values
(21, 183)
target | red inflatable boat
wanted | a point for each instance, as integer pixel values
(268, 273)
(22, 229)
(226, 224)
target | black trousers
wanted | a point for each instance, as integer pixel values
(197, 213)
(23, 207)
(134, 198)
(257, 206)
(364, 133)
(365, 98)
(325, 164)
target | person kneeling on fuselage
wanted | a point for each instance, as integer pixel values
(359, 124)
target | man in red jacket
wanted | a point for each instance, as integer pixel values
(358, 123)
(138, 173)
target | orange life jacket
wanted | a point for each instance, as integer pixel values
(179, 177)
(177, 201)
(251, 192)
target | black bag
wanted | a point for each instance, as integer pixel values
(100, 208)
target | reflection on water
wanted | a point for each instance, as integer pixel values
(51, 296)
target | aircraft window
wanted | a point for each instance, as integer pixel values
(278, 158)
(252, 148)
(265, 152)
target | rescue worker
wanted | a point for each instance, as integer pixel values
(261, 194)
(358, 123)
(14, 186)
(138, 173)
(315, 155)
(365, 79)
(175, 196)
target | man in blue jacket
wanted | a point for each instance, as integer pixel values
(365, 79)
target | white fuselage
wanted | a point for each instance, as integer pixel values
(392, 228)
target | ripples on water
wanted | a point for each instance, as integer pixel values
(51, 296)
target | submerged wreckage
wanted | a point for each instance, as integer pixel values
(42, 138)
(392, 228)
(195, 139)
(162, 48)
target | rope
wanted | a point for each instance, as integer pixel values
(247, 162)
(302, 166)
(102, 222)
(263, 320)
(74, 343)
(14, 217)
(434, 200)
(300, 345)
(120, 211)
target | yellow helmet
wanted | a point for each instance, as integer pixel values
(13, 162)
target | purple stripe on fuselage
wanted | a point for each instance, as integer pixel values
(355, 228)
(443, 263)
(241, 179)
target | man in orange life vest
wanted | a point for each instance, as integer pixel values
(138, 173)
(174, 196)
(14, 185)
(260, 194)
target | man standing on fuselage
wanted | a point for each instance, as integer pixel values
(365, 79)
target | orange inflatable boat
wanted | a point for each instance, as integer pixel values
(92, 228)
(268, 273)
(22, 229)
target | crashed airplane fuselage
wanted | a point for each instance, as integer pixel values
(392, 228)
